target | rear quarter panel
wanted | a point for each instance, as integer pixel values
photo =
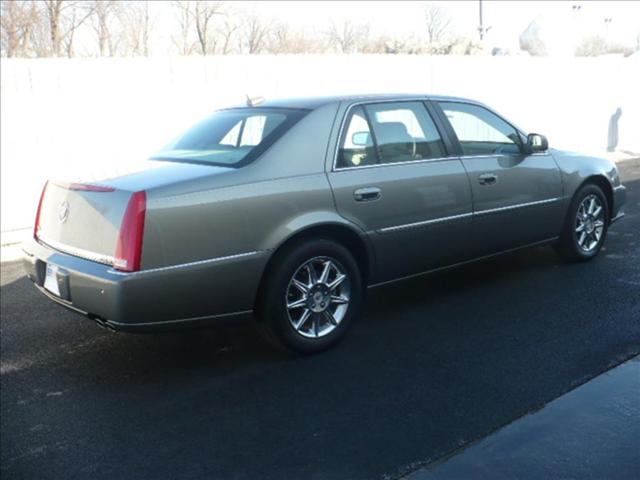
(251, 209)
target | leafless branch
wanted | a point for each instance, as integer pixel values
(437, 23)
(348, 37)
(255, 32)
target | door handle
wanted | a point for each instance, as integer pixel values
(367, 194)
(488, 179)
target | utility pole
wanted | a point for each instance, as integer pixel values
(481, 28)
(607, 22)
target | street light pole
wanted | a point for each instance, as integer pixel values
(481, 27)
(607, 22)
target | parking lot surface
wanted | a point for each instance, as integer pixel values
(434, 364)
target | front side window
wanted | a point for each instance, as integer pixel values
(232, 137)
(389, 133)
(479, 131)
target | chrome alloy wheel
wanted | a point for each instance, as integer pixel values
(589, 225)
(317, 297)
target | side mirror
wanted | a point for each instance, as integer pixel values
(361, 139)
(537, 143)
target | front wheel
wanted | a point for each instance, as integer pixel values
(586, 225)
(311, 294)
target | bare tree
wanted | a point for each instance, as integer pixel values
(286, 39)
(348, 37)
(105, 12)
(54, 15)
(64, 18)
(227, 31)
(18, 21)
(203, 14)
(137, 26)
(183, 40)
(255, 32)
(437, 23)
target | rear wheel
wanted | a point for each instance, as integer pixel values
(311, 294)
(586, 225)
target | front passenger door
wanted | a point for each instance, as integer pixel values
(516, 196)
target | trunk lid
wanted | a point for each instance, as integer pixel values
(82, 222)
(85, 218)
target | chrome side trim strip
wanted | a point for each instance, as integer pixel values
(76, 252)
(426, 222)
(108, 260)
(390, 164)
(486, 155)
(518, 205)
(188, 264)
(465, 215)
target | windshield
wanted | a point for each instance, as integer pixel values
(231, 138)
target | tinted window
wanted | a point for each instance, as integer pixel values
(231, 137)
(479, 131)
(389, 133)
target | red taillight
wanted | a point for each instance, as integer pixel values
(129, 248)
(36, 226)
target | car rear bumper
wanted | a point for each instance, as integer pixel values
(150, 300)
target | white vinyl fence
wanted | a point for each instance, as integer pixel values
(68, 118)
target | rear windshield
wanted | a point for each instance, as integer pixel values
(231, 138)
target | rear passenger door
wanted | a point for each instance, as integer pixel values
(393, 176)
(516, 196)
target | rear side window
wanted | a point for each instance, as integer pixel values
(389, 133)
(231, 138)
(357, 145)
(479, 131)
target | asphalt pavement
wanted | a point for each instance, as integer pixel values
(436, 363)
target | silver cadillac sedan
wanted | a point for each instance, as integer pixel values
(290, 209)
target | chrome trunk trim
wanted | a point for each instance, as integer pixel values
(76, 252)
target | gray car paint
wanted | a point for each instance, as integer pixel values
(210, 232)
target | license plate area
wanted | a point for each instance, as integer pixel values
(56, 281)
(51, 279)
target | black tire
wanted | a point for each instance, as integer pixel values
(569, 246)
(273, 314)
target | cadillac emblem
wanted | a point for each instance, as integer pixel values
(63, 213)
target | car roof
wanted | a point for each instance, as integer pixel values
(312, 103)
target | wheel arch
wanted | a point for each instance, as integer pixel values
(604, 184)
(340, 232)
